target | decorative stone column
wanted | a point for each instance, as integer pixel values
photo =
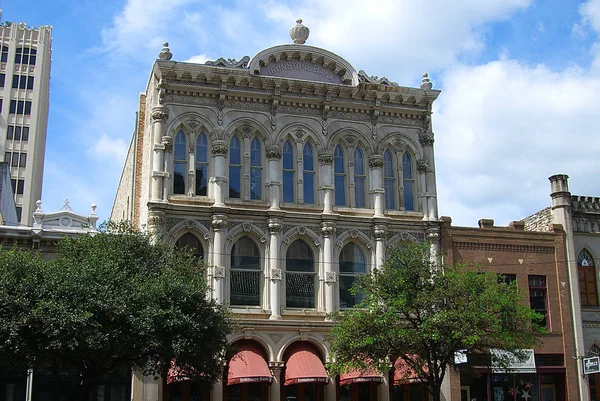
(275, 272)
(379, 232)
(155, 224)
(426, 139)
(275, 388)
(351, 184)
(400, 147)
(328, 228)
(433, 236)
(220, 189)
(191, 169)
(275, 171)
(167, 143)
(159, 118)
(376, 170)
(247, 142)
(423, 194)
(219, 226)
(326, 177)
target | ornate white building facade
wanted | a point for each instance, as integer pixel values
(290, 174)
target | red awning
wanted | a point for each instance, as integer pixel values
(356, 376)
(304, 366)
(248, 366)
(403, 373)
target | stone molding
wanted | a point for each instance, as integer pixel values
(325, 157)
(160, 114)
(274, 152)
(490, 247)
(376, 161)
(220, 148)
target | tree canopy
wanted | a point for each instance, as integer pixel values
(110, 301)
(423, 313)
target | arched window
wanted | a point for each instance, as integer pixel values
(352, 263)
(308, 174)
(245, 273)
(587, 279)
(191, 242)
(288, 172)
(340, 176)
(300, 276)
(255, 170)
(359, 179)
(235, 167)
(409, 182)
(201, 165)
(179, 163)
(389, 180)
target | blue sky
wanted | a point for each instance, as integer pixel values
(520, 83)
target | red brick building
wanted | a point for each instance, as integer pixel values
(537, 261)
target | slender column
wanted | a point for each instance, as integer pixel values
(247, 139)
(379, 231)
(422, 187)
(300, 170)
(219, 226)
(383, 390)
(275, 388)
(400, 147)
(28, 386)
(351, 184)
(191, 169)
(426, 139)
(326, 178)
(275, 171)
(159, 118)
(155, 224)
(376, 170)
(217, 391)
(328, 229)
(220, 189)
(434, 248)
(167, 143)
(275, 225)
(330, 391)
(152, 389)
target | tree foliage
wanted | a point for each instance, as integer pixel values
(423, 313)
(108, 301)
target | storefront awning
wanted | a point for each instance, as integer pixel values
(248, 366)
(513, 364)
(403, 373)
(357, 376)
(304, 366)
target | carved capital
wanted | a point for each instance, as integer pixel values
(160, 114)
(325, 157)
(156, 221)
(167, 143)
(273, 152)
(376, 161)
(422, 165)
(220, 148)
(426, 138)
(379, 231)
(328, 228)
(219, 222)
(275, 225)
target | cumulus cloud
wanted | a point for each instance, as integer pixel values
(199, 59)
(590, 13)
(107, 147)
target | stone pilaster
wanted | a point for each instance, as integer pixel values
(328, 229)
(219, 226)
(379, 232)
(326, 176)
(275, 272)
(275, 388)
(376, 171)
(426, 139)
(159, 116)
(275, 171)
(220, 188)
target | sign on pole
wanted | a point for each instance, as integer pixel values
(591, 365)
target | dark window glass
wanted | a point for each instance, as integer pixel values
(30, 83)
(15, 82)
(13, 107)
(288, 173)
(7, 157)
(15, 160)
(20, 185)
(179, 163)
(359, 179)
(4, 56)
(13, 184)
(201, 165)
(407, 173)
(192, 243)
(537, 296)
(23, 82)
(507, 278)
(2, 80)
(300, 276)
(255, 170)
(352, 263)
(309, 174)
(27, 108)
(10, 132)
(25, 136)
(23, 160)
(19, 213)
(340, 176)
(235, 167)
(588, 289)
(389, 180)
(17, 133)
(25, 55)
(32, 57)
(245, 273)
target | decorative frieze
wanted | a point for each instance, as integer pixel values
(330, 277)
(219, 271)
(477, 246)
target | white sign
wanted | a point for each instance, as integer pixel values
(514, 365)
(591, 365)
(301, 70)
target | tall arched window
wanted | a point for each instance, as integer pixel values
(300, 276)
(409, 182)
(359, 179)
(191, 242)
(352, 264)
(339, 176)
(235, 167)
(179, 163)
(588, 288)
(288, 172)
(308, 174)
(389, 180)
(245, 273)
(201, 165)
(255, 170)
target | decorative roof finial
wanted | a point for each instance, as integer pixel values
(425, 82)
(165, 53)
(299, 33)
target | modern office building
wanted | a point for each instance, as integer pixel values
(290, 174)
(24, 95)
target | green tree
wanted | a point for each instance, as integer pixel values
(106, 302)
(423, 313)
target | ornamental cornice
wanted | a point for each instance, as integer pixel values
(491, 247)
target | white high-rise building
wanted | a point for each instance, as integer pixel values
(24, 97)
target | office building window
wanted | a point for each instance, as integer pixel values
(17, 133)
(4, 55)
(2, 80)
(19, 210)
(20, 107)
(16, 159)
(22, 82)
(25, 55)
(17, 186)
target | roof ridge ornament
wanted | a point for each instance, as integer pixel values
(165, 52)
(426, 82)
(299, 33)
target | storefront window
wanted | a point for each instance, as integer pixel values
(505, 387)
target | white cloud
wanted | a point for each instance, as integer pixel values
(110, 148)
(199, 59)
(590, 13)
